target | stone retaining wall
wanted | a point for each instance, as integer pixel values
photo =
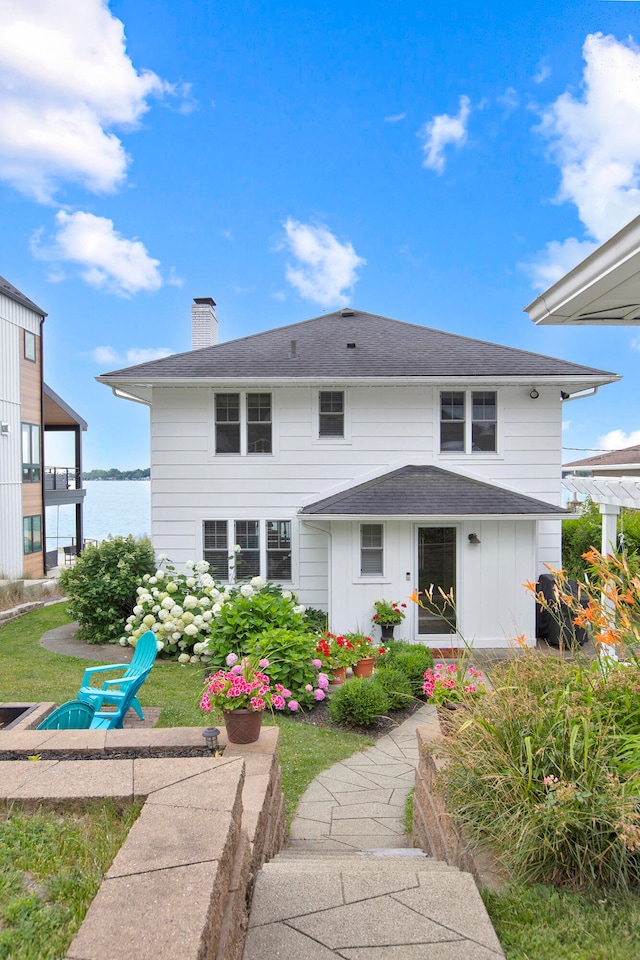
(434, 829)
(181, 884)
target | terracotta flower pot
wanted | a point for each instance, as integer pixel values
(339, 674)
(243, 726)
(364, 667)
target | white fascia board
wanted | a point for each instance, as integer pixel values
(614, 264)
(579, 381)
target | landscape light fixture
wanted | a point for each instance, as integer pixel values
(534, 394)
(474, 538)
(210, 735)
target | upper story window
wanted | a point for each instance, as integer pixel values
(468, 421)
(30, 453)
(29, 346)
(265, 549)
(243, 423)
(331, 414)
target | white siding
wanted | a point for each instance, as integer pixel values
(386, 426)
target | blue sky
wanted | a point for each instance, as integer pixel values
(434, 162)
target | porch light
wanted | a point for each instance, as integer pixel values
(474, 538)
(534, 394)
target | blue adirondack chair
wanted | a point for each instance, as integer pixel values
(122, 688)
(113, 719)
(74, 715)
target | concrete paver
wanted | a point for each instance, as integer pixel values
(347, 885)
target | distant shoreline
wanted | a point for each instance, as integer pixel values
(115, 474)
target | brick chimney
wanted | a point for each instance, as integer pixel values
(204, 323)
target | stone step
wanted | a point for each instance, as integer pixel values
(406, 853)
(354, 866)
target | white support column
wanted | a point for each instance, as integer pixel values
(609, 513)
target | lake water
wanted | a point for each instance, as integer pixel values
(111, 507)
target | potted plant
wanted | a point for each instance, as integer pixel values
(241, 694)
(337, 653)
(387, 616)
(367, 652)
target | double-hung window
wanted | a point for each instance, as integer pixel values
(331, 413)
(243, 423)
(30, 453)
(468, 421)
(264, 549)
(371, 550)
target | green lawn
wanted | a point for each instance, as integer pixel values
(32, 673)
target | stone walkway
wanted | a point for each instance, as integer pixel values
(348, 885)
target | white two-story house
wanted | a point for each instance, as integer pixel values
(354, 457)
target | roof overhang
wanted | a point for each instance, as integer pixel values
(58, 413)
(451, 518)
(603, 289)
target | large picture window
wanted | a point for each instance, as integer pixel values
(30, 453)
(265, 549)
(468, 421)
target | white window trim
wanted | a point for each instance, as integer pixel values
(468, 452)
(275, 448)
(262, 534)
(315, 412)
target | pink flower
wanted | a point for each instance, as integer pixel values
(323, 681)
(237, 670)
(452, 668)
(308, 688)
(205, 704)
(278, 702)
(257, 703)
(264, 663)
(318, 694)
(316, 663)
(293, 705)
(471, 688)
(231, 659)
(439, 666)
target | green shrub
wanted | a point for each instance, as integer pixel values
(242, 618)
(315, 619)
(396, 685)
(289, 654)
(547, 771)
(358, 702)
(412, 659)
(581, 533)
(101, 586)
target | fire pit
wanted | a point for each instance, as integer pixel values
(12, 714)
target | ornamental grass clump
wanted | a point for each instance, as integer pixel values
(546, 769)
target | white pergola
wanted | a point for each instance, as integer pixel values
(610, 493)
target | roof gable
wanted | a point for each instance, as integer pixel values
(428, 491)
(358, 345)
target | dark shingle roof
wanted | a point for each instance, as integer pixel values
(383, 348)
(428, 491)
(14, 294)
(627, 456)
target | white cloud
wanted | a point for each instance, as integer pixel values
(550, 264)
(618, 439)
(395, 118)
(325, 269)
(442, 131)
(105, 259)
(65, 81)
(107, 355)
(565, 425)
(543, 71)
(594, 138)
(510, 99)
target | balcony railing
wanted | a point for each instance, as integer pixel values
(62, 478)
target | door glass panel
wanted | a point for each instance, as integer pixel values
(437, 566)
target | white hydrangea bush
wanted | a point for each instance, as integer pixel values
(195, 618)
